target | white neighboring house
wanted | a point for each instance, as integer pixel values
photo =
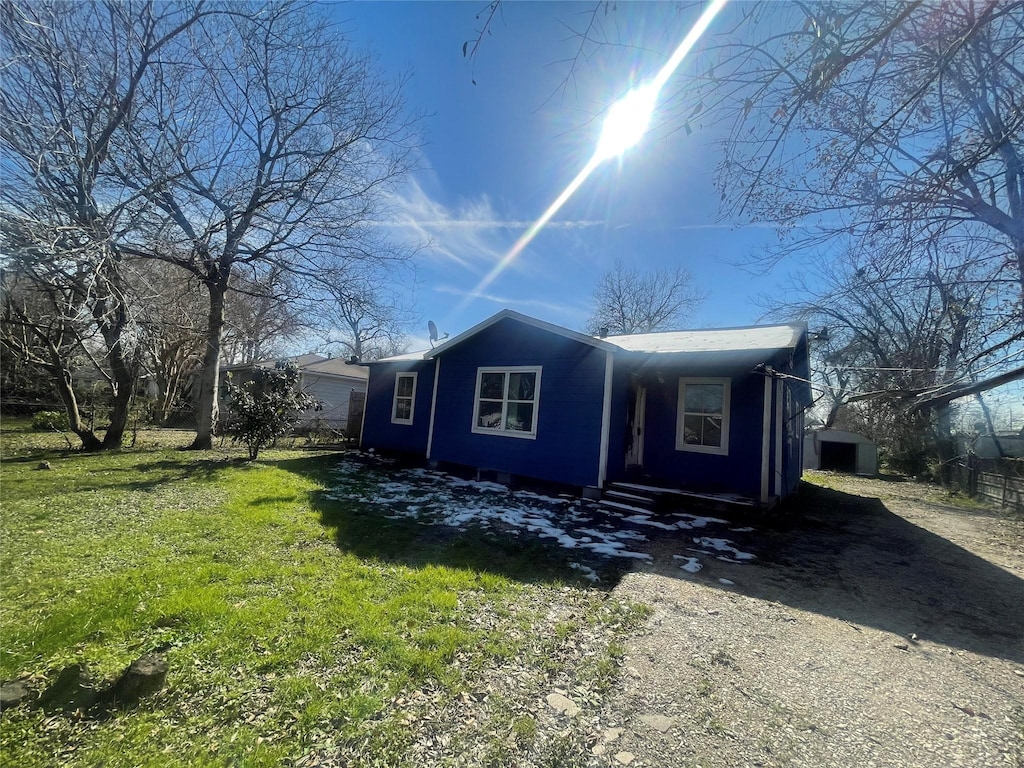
(332, 381)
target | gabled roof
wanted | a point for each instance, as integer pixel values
(309, 363)
(712, 339)
(300, 361)
(337, 366)
(744, 339)
(527, 320)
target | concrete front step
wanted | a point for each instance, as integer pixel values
(620, 507)
(663, 499)
(628, 498)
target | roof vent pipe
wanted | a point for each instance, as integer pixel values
(602, 332)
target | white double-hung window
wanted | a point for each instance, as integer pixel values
(506, 401)
(405, 398)
(702, 423)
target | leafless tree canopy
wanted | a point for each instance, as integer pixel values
(627, 300)
(246, 144)
(899, 348)
(366, 316)
(71, 75)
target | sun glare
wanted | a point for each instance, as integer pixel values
(625, 125)
(627, 121)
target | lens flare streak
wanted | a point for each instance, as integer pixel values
(651, 89)
(530, 233)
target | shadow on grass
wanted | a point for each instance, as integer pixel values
(104, 472)
(851, 558)
(365, 531)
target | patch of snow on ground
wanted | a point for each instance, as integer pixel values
(646, 520)
(482, 485)
(539, 497)
(586, 571)
(690, 564)
(746, 529)
(727, 582)
(429, 498)
(697, 521)
(722, 545)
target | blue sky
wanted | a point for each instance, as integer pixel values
(499, 152)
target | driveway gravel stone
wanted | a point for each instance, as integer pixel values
(875, 628)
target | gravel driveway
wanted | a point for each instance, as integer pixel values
(874, 628)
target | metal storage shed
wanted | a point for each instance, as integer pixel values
(835, 449)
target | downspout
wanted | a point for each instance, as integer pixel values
(606, 421)
(766, 438)
(433, 407)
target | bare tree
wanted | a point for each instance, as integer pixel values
(266, 148)
(627, 300)
(72, 77)
(364, 315)
(42, 326)
(169, 307)
(262, 314)
(903, 340)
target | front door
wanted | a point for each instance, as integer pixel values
(635, 446)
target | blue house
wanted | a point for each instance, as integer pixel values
(707, 412)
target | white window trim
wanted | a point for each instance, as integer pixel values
(394, 399)
(681, 445)
(502, 432)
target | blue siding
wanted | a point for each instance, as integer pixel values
(569, 412)
(737, 472)
(567, 445)
(793, 430)
(740, 470)
(378, 431)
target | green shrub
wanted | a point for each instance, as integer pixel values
(45, 421)
(267, 407)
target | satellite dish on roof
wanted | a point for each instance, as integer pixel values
(432, 328)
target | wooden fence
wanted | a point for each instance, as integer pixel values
(1000, 481)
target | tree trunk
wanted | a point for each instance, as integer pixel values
(124, 382)
(207, 408)
(62, 379)
(945, 445)
(1018, 251)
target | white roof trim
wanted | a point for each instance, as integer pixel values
(766, 337)
(406, 357)
(557, 330)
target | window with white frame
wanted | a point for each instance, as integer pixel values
(405, 398)
(703, 420)
(506, 401)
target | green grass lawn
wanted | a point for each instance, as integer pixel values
(293, 625)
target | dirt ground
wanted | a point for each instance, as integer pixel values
(875, 628)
